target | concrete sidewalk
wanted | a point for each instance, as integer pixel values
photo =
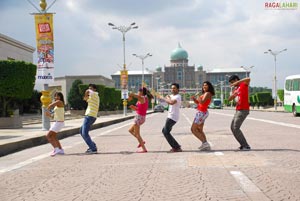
(13, 140)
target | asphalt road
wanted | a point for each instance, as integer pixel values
(269, 172)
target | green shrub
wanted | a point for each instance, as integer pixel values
(75, 96)
(17, 80)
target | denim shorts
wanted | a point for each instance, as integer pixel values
(139, 119)
(200, 117)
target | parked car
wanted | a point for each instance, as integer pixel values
(159, 108)
(215, 104)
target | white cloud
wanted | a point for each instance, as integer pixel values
(215, 34)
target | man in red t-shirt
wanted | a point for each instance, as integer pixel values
(240, 94)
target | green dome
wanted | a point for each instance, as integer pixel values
(158, 69)
(179, 53)
(200, 68)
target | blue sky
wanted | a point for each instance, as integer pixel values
(216, 34)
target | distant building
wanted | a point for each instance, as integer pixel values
(11, 49)
(64, 84)
(187, 76)
(134, 79)
(179, 71)
(222, 74)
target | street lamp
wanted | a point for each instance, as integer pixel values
(43, 17)
(169, 85)
(157, 78)
(143, 57)
(123, 30)
(247, 69)
(275, 53)
(132, 88)
(221, 87)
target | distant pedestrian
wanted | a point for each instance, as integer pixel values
(141, 108)
(58, 107)
(174, 101)
(202, 102)
(91, 96)
(241, 96)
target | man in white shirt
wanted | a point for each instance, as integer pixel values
(174, 102)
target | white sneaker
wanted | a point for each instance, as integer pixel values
(204, 147)
(57, 151)
(61, 152)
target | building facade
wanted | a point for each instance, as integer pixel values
(179, 71)
(11, 49)
(64, 84)
(134, 79)
(187, 76)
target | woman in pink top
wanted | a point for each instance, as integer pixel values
(140, 117)
(202, 101)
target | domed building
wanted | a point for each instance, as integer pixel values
(189, 77)
(179, 54)
(179, 71)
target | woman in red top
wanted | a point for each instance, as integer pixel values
(140, 117)
(202, 101)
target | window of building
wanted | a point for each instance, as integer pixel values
(179, 75)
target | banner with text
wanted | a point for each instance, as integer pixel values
(124, 83)
(124, 79)
(45, 47)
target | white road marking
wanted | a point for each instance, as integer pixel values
(188, 120)
(275, 122)
(246, 184)
(22, 164)
(42, 156)
(218, 153)
(111, 130)
(264, 120)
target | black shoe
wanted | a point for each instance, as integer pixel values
(173, 150)
(245, 148)
(89, 151)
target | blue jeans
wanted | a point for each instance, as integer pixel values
(84, 132)
(166, 131)
(237, 121)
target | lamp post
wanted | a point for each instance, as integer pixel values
(247, 69)
(124, 30)
(152, 78)
(169, 85)
(143, 57)
(183, 75)
(225, 87)
(221, 87)
(197, 87)
(275, 53)
(157, 78)
(133, 88)
(44, 18)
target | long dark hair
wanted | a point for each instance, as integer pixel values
(146, 92)
(61, 96)
(211, 88)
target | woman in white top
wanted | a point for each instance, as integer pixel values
(58, 107)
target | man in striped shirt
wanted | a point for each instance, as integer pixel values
(92, 98)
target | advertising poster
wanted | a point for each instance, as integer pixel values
(45, 48)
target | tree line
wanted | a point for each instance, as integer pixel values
(17, 80)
